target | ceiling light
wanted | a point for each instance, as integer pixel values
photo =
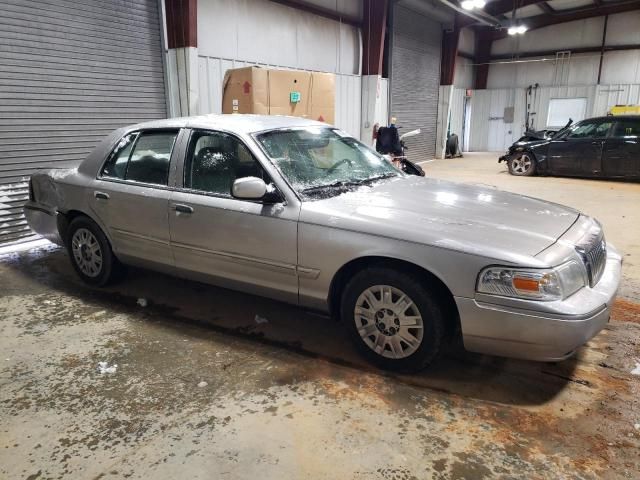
(468, 4)
(479, 3)
(516, 30)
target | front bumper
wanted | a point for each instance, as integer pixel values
(524, 331)
(507, 157)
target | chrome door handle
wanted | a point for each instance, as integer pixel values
(179, 208)
(101, 195)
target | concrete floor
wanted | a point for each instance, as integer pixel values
(202, 390)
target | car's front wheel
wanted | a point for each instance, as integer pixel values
(523, 166)
(392, 318)
(90, 252)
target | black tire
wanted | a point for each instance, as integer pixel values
(428, 307)
(518, 166)
(110, 268)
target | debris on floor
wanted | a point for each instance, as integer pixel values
(103, 367)
(636, 371)
(260, 319)
(142, 302)
(202, 384)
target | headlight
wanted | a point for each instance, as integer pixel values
(532, 283)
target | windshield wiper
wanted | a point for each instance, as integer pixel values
(338, 184)
(350, 183)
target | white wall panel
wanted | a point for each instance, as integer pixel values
(266, 32)
(211, 72)
(606, 96)
(457, 112)
(467, 41)
(621, 67)
(463, 75)
(624, 28)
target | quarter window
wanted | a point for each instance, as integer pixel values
(142, 157)
(116, 166)
(215, 160)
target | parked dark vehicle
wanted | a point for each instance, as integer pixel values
(602, 147)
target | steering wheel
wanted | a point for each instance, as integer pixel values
(337, 164)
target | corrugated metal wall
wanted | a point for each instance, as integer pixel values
(415, 78)
(490, 133)
(211, 72)
(71, 72)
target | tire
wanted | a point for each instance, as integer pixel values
(91, 254)
(523, 166)
(384, 341)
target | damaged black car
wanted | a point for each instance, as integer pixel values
(602, 147)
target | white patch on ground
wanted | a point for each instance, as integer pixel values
(142, 302)
(636, 371)
(202, 384)
(260, 319)
(103, 367)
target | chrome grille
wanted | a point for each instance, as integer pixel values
(594, 255)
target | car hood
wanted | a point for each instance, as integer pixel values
(470, 218)
(530, 143)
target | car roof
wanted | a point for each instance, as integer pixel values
(239, 123)
(616, 117)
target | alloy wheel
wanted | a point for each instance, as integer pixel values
(522, 165)
(87, 252)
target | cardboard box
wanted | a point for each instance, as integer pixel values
(279, 92)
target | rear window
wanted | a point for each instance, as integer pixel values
(142, 157)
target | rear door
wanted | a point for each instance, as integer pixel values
(621, 156)
(131, 195)
(579, 151)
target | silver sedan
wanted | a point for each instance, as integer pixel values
(302, 212)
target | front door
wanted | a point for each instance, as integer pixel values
(131, 196)
(239, 243)
(579, 151)
(621, 157)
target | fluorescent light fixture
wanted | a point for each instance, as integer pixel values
(517, 30)
(479, 3)
(468, 4)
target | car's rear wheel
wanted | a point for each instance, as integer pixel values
(523, 166)
(394, 321)
(90, 252)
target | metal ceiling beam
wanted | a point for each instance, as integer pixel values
(552, 53)
(546, 8)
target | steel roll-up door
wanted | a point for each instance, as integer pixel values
(72, 71)
(415, 79)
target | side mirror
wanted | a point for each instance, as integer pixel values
(254, 188)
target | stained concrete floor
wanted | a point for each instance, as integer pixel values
(202, 390)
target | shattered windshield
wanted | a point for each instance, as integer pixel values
(324, 161)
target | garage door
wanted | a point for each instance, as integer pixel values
(72, 71)
(415, 78)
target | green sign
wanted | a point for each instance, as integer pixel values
(295, 97)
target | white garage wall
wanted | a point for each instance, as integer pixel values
(580, 69)
(239, 33)
(494, 135)
(576, 76)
